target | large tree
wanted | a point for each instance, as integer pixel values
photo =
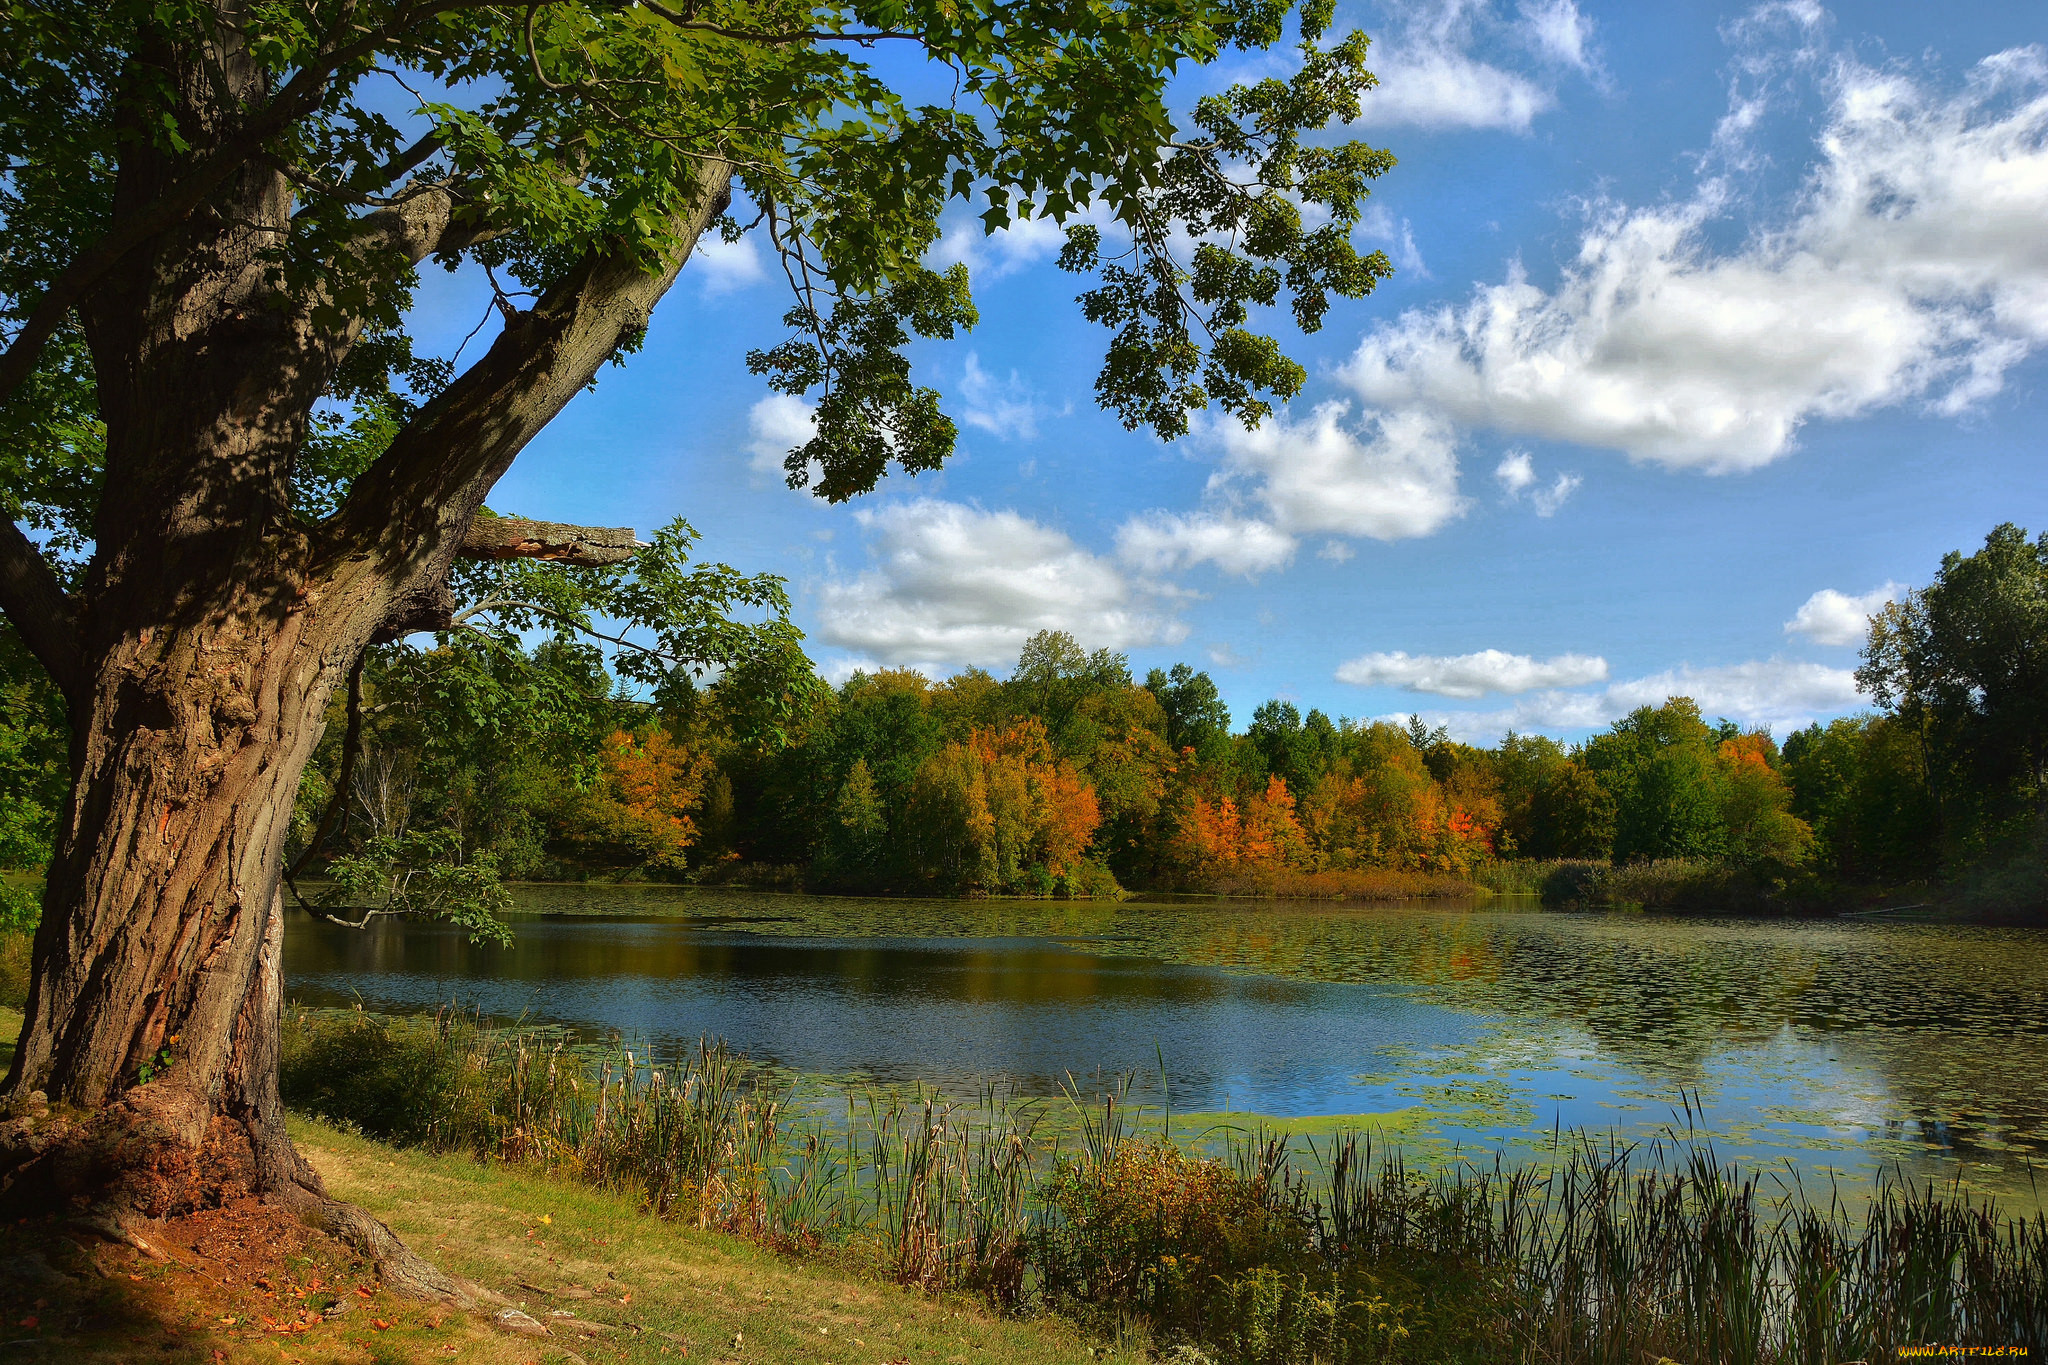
(228, 471)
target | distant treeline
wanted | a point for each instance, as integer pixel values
(1071, 776)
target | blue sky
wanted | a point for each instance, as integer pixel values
(1712, 327)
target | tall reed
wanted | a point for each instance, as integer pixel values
(1603, 1253)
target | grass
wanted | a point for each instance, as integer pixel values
(614, 1285)
(1359, 884)
(1513, 876)
(1276, 1251)
(673, 1291)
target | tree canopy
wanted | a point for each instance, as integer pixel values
(525, 138)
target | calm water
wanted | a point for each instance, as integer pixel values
(1834, 1046)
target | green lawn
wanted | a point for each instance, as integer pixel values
(667, 1292)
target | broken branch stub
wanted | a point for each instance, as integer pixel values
(518, 538)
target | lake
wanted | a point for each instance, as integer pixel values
(1833, 1048)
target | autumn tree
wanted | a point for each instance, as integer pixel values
(1002, 811)
(239, 471)
(643, 809)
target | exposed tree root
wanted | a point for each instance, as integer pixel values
(156, 1154)
(402, 1271)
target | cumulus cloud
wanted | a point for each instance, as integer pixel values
(1432, 85)
(1159, 542)
(1836, 618)
(1516, 473)
(1387, 476)
(1773, 693)
(1451, 64)
(1471, 675)
(726, 266)
(953, 584)
(1912, 267)
(778, 424)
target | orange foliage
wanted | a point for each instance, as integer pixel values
(1212, 836)
(1001, 803)
(642, 808)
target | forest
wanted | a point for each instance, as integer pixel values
(525, 749)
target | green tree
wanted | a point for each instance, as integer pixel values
(1196, 717)
(1570, 815)
(853, 853)
(1657, 766)
(217, 214)
(1967, 657)
(1861, 784)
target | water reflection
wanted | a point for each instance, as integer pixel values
(1837, 1045)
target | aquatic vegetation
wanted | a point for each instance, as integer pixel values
(1272, 1250)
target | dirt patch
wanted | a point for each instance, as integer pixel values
(243, 1282)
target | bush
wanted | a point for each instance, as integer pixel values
(392, 1079)
(1089, 880)
(1572, 885)
(21, 906)
(14, 962)
(1673, 885)
(1153, 1228)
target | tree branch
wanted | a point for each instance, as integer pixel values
(517, 538)
(300, 96)
(407, 516)
(40, 609)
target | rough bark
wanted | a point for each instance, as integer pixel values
(517, 538)
(200, 655)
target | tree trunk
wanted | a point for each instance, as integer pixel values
(198, 659)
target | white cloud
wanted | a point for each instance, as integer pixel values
(778, 424)
(992, 255)
(1159, 542)
(954, 584)
(1378, 225)
(1836, 618)
(728, 266)
(1774, 693)
(837, 670)
(1000, 407)
(1223, 656)
(1546, 501)
(1471, 675)
(1390, 476)
(1762, 692)
(1432, 72)
(1434, 85)
(1556, 29)
(1336, 551)
(1516, 472)
(1911, 267)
